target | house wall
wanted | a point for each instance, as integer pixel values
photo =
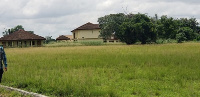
(85, 34)
(24, 43)
(91, 35)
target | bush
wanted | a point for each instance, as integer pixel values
(164, 41)
(160, 41)
(180, 37)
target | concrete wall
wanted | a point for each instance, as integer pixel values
(85, 34)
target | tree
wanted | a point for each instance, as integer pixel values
(167, 27)
(180, 37)
(49, 39)
(132, 28)
(189, 27)
(109, 24)
(145, 29)
(137, 27)
(188, 32)
(127, 33)
(17, 28)
(9, 31)
(128, 28)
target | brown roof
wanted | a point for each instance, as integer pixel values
(69, 36)
(87, 26)
(62, 37)
(22, 35)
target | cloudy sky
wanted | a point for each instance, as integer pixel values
(60, 17)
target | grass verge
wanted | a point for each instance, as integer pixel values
(8, 93)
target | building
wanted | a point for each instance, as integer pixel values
(87, 31)
(22, 38)
(63, 38)
(90, 31)
(69, 36)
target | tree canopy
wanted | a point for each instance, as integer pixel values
(110, 24)
(132, 28)
(16, 28)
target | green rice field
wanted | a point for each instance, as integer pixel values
(167, 70)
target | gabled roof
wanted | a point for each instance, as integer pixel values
(69, 36)
(62, 37)
(87, 26)
(22, 35)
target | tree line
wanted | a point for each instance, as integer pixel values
(132, 28)
(16, 28)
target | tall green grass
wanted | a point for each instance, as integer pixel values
(62, 44)
(170, 70)
(80, 43)
(91, 43)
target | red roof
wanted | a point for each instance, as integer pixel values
(87, 26)
(62, 37)
(22, 35)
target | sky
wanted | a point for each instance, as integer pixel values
(60, 17)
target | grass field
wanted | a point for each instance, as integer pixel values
(170, 70)
(7, 93)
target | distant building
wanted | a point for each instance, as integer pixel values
(69, 36)
(90, 31)
(63, 38)
(22, 38)
(87, 31)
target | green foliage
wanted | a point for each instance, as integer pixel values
(145, 29)
(128, 28)
(18, 27)
(166, 27)
(9, 31)
(165, 41)
(181, 37)
(127, 33)
(49, 39)
(133, 28)
(191, 23)
(109, 24)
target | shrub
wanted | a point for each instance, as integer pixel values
(180, 37)
(160, 41)
(164, 41)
